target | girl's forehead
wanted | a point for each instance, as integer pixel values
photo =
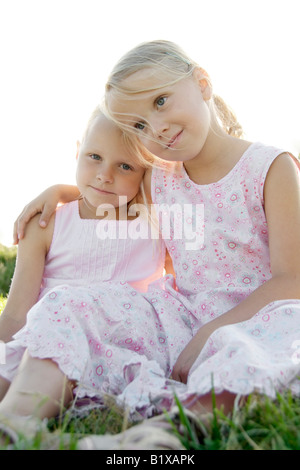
(146, 80)
(103, 132)
(106, 139)
(106, 131)
(138, 90)
(124, 108)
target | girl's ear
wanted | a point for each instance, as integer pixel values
(202, 78)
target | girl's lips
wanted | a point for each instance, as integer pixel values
(174, 140)
(101, 191)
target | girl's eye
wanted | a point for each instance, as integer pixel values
(140, 126)
(125, 166)
(161, 101)
(94, 156)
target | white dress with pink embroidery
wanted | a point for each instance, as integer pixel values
(232, 260)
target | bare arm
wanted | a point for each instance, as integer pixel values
(27, 278)
(282, 208)
(169, 265)
(45, 204)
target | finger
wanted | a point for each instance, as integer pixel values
(46, 216)
(180, 375)
(23, 220)
(183, 378)
(16, 229)
(175, 375)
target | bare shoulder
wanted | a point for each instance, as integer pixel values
(38, 236)
(282, 197)
(283, 174)
(285, 162)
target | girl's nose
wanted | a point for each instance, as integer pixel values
(105, 175)
(159, 127)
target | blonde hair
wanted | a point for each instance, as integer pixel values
(143, 157)
(97, 112)
(170, 58)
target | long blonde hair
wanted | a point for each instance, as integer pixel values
(172, 60)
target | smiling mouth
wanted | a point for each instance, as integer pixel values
(174, 140)
(102, 191)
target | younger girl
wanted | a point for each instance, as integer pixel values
(90, 327)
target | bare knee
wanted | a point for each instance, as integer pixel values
(39, 388)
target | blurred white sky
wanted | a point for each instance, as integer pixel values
(56, 56)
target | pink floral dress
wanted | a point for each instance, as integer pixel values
(231, 261)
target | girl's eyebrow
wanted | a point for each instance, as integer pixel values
(148, 95)
(90, 150)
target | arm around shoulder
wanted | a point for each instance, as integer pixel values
(46, 204)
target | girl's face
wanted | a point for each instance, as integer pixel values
(105, 169)
(172, 122)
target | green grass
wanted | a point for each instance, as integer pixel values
(261, 424)
(7, 266)
(2, 302)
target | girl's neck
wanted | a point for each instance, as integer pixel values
(218, 156)
(87, 211)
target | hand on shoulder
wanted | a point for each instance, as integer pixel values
(45, 204)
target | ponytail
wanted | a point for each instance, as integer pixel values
(227, 117)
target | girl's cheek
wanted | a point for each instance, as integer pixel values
(153, 147)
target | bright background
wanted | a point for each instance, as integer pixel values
(57, 54)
